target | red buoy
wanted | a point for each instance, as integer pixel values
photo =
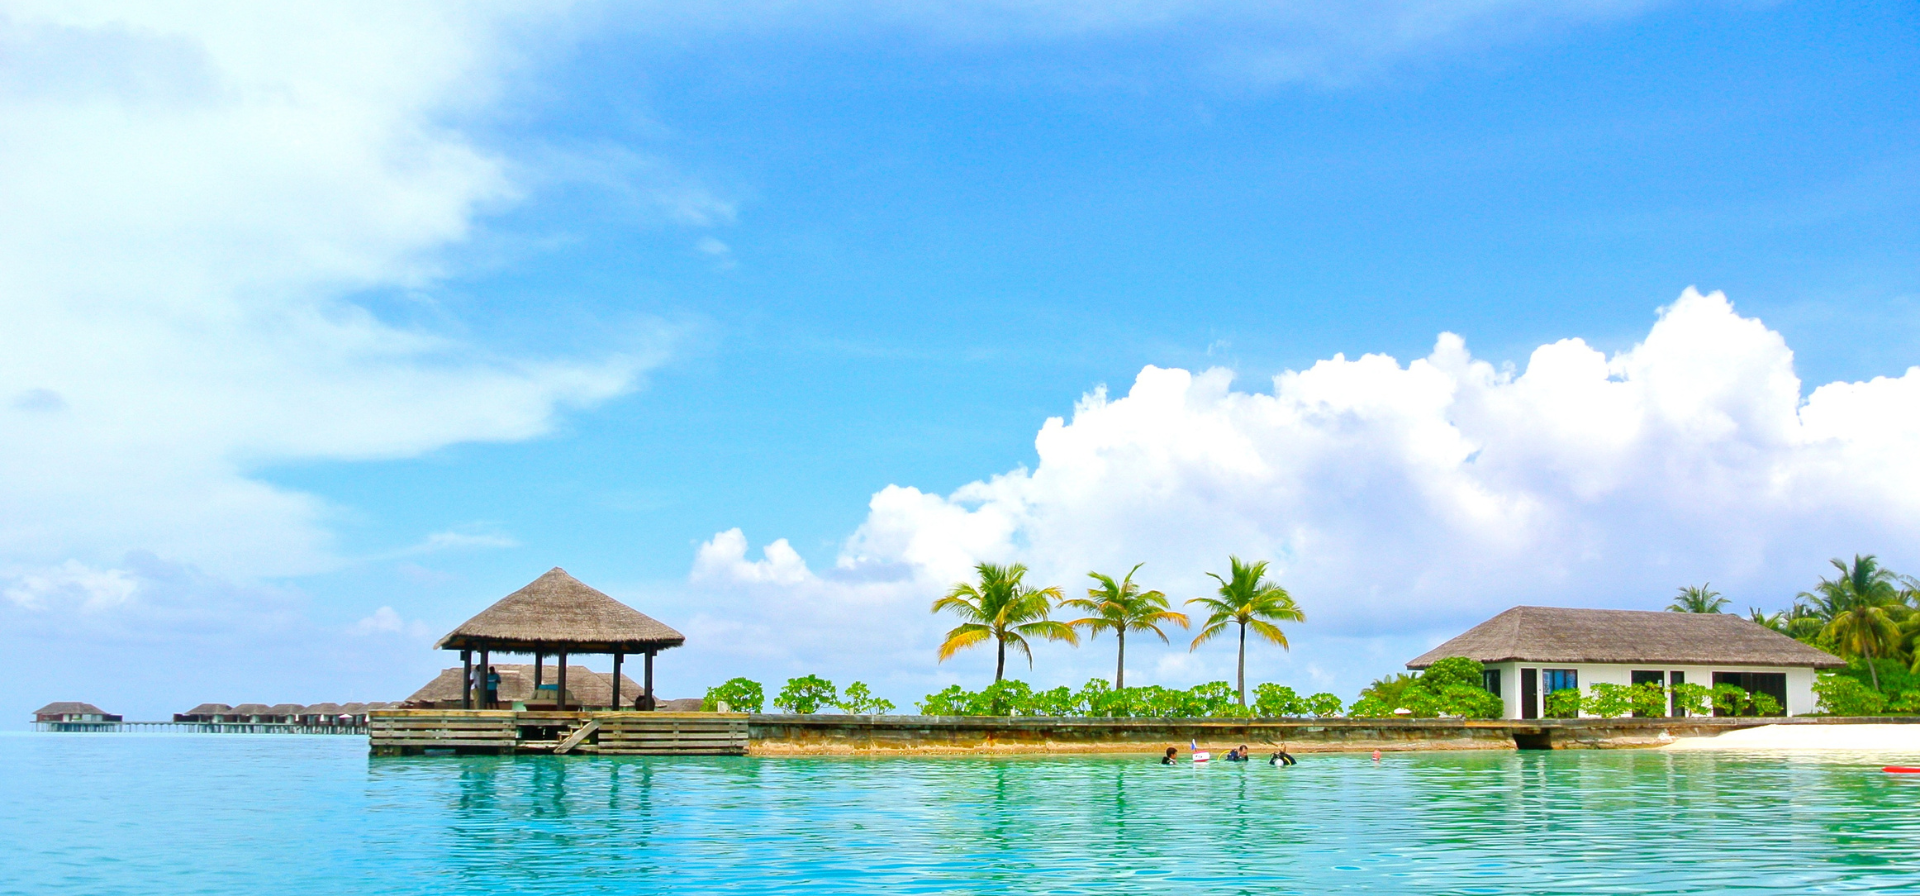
(1902, 770)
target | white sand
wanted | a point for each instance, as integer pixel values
(1891, 739)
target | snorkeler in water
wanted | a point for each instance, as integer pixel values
(1283, 758)
(1168, 759)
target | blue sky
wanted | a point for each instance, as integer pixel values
(401, 309)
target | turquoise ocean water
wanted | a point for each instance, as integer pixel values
(276, 815)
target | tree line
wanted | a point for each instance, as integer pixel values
(1001, 608)
(1866, 614)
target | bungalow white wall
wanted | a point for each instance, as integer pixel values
(1800, 698)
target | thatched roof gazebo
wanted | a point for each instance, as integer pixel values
(558, 614)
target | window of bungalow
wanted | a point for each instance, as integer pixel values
(1559, 680)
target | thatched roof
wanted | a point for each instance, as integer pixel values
(323, 709)
(209, 709)
(585, 687)
(559, 611)
(352, 708)
(1561, 635)
(253, 709)
(69, 707)
(287, 709)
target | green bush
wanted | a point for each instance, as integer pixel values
(1907, 702)
(858, 701)
(1323, 705)
(806, 695)
(1692, 699)
(1765, 705)
(1272, 701)
(1057, 703)
(1730, 700)
(954, 701)
(739, 694)
(1608, 701)
(1563, 704)
(1648, 698)
(1370, 707)
(1844, 695)
(1451, 671)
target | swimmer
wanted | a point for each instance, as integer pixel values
(1283, 758)
(1168, 759)
(1376, 757)
(1237, 754)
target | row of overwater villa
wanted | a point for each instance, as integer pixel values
(247, 718)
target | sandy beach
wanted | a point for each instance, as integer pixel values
(1902, 739)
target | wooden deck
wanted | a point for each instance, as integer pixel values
(401, 732)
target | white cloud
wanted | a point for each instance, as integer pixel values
(1400, 500)
(73, 585)
(387, 621)
(195, 196)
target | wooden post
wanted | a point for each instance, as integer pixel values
(486, 665)
(538, 659)
(466, 683)
(617, 655)
(560, 682)
(651, 703)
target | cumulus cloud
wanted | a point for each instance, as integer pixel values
(387, 621)
(1403, 501)
(196, 198)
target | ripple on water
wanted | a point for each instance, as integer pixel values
(235, 814)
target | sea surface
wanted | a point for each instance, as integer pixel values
(272, 815)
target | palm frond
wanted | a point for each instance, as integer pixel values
(963, 637)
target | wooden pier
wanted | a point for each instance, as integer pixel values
(403, 732)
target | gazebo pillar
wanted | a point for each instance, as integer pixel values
(617, 657)
(486, 666)
(560, 682)
(651, 703)
(538, 660)
(466, 680)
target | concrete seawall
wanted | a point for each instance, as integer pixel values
(800, 735)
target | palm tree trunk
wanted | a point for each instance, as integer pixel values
(1241, 676)
(1000, 665)
(1871, 671)
(1120, 670)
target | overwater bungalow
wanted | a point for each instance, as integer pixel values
(323, 715)
(206, 712)
(256, 713)
(1530, 652)
(73, 712)
(285, 713)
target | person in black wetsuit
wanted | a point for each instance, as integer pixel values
(1238, 754)
(1168, 759)
(1283, 758)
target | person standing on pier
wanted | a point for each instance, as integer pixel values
(490, 697)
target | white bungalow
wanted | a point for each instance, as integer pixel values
(1530, 652)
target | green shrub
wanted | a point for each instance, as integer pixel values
(858, 701)
(1765, 705)
(1844, 695)
(1647, 699)
(1563, 704)
(1608, 701)
(806, 695)
(1450, 671)
(1215, 699)
(1691, 698)
(1730, 700)
(1908, 702)
(1010, 697)
(1058, 703)
(954, 701)
(739, 694)
(1370, 707)
(1272, 701)
(1323, 705)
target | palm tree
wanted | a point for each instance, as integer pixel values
(1247, 598)
(1859, 607)
(1701, 599)
(1001, 607)
(1122, 607)
(1774, 621)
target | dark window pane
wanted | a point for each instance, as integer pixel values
(1490, 679)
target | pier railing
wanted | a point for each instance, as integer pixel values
(400, 732)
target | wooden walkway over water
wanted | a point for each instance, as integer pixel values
(400, 732)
